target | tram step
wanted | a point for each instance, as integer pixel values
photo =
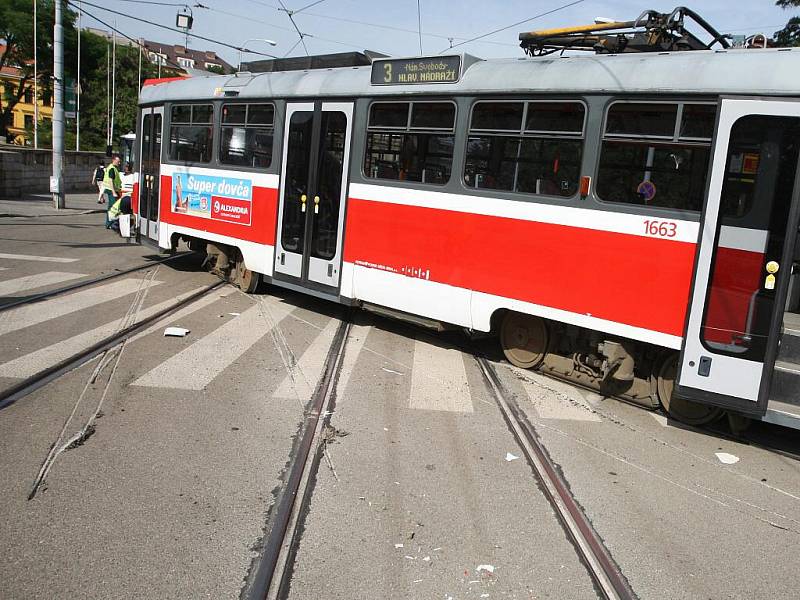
(786, 383)
(790, 345)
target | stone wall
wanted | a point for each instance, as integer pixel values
(27, 171)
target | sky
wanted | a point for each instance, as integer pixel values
(392, 27)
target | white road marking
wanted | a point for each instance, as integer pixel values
(26, 316)
(439, 379)
(29, 282)
(660, 419)
(197, 366)
(553, 399)
(55, 259)
(355, 342)
(33, 362)
(300, 383)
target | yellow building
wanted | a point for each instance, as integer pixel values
(24, 111)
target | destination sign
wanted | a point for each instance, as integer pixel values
(401, 71)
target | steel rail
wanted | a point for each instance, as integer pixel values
(45, 376)
(282, 539)
(85, 283)
(601, 566)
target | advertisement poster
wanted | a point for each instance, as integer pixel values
(227, 199)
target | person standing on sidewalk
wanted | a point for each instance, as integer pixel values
(97, 181)
(112, 184)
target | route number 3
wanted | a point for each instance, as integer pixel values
(666, 229)
(387, 72)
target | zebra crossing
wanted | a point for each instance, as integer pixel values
(436, 376)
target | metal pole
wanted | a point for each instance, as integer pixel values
(113, 81)
(108, 94)
(35, 81)
(78, 83)
(58, 109)
(139, 77)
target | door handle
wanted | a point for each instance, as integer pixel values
(316, 205)
(303, 199)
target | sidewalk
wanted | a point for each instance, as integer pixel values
(41, 205)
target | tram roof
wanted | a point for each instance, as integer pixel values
(739, 71)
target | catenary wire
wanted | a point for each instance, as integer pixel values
(294, 12)
(543, 14)
(300, 33)
(173, 29)
(126, 36)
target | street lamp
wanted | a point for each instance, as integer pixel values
(243, 48)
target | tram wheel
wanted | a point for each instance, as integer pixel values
(685, 411)
(246, 279)
(524, 339)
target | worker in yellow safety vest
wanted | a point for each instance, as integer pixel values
(112, 184)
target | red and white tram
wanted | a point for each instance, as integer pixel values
(625, 221)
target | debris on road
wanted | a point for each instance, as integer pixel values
(510, 457)
(390, 371)
(398, 545)
(175, 332)
(727, 459)
(488, 568)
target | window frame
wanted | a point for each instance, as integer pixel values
(408, 129)
(522, 134)
(219, 125)
(682, 213)
(169, 123)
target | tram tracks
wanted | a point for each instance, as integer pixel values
(606, 574)
(49, 294)
(273, 571)
(32, 383)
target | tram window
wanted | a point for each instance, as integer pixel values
(642, 119)
(433, 115)
(247, 135)
(698, 121)
(760, 170)
(497, 116)
(644, 162)
(543, 158)
(557, 117)
(410, 141)
(389, 114)
(190, 133)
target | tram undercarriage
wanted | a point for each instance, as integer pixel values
(633, 371)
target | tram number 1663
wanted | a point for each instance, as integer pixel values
(666, 229)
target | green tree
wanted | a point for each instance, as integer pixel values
(789, 35)
(16, 31)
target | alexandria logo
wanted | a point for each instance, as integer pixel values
(216, 206)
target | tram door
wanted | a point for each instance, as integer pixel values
(150, 171)
(316, 155)
(744, 256)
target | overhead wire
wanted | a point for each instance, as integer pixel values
(116, 30)
(173, 29)
(308, 6)
(544, 14)
(369, 24)
(419, 26)
(300, 33)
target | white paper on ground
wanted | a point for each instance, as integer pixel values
(510, 457)
(727, 459)
(487, 568)
(176, 332)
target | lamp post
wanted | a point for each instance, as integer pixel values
(243, 48)
(36, 82)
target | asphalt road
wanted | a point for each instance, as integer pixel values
(183, 447)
